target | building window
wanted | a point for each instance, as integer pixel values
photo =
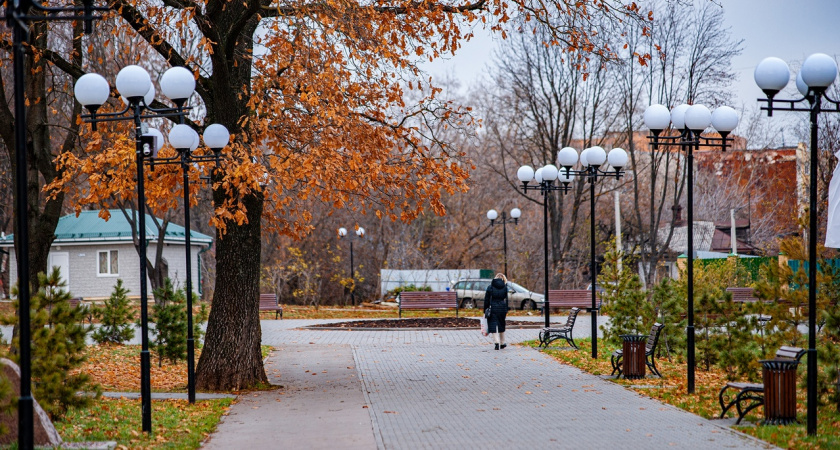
(108, 262)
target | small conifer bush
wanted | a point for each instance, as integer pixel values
(115, 318)
(58, 348)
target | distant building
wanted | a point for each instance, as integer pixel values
(93, 253)
(772, 180)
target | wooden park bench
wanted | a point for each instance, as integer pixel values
(752, 394)
(742, 294)
(268, 302)
(551, 334)
(428, 300)
(573, 298)
(650, 352)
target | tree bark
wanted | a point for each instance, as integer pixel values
(43, 214)
(231, 358)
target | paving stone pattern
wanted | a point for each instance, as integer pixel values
(449, 389)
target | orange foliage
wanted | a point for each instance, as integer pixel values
(318, 102)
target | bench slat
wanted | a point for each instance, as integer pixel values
(742, 294)
(428, 300)
(268, 302)
(573, 298)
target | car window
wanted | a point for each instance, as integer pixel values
(518, 288)
(460, 285)
(483, 285)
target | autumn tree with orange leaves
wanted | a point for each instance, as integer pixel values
(316, 96)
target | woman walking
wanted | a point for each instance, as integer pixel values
(496, 308)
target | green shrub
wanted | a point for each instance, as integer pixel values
(670, 305)
(408, 288)
(170, 317)
(58, 347)
(624, 300)
(115, 317)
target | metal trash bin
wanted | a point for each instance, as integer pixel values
(779, 391)
(633, 356)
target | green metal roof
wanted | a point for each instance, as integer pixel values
(90, 227)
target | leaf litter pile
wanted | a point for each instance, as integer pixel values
(117, 368)
(421, 322)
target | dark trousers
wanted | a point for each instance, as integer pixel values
(496, 321)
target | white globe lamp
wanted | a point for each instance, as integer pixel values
(771, 75)
(133, 82)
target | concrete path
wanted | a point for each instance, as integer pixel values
(446, 389)
(319, 406)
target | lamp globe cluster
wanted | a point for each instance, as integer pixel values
(591, 158)
(184, 138)
(695, 118)
(342, 232)
(136, 89)
(817, 73)
(134, 84)
(515, 213)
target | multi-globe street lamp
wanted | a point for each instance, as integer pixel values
(544, 178)
(515, 213)
(591, 160)
(817, 73)
(688, 122)
(135, 86)
(19, 14)
(360, 233)
(185, 141)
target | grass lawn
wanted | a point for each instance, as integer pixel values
(672, 389)
(176, 423)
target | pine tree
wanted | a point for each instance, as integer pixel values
(8, 401)
(624, 300)
(829, 344)
(58, 347)
(670, 307)
(170, 317)
(115, 317)
(723, 332)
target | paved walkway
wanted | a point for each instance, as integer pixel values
(446, 389)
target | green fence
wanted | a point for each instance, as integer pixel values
(795, 264)
(752, 265)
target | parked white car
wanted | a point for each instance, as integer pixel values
(470, 293)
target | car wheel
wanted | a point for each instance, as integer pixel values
(468, 303)
(532, 305)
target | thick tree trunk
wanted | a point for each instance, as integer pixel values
(43, 214)
(231, 358)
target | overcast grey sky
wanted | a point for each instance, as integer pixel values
(788, 29)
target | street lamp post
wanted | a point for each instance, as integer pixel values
(515, 213)
(185, 140)
(360, 233)
(689, 122)
(545, 178)
(816, 75)
(138, 92)
(19, 15)
(591, 159)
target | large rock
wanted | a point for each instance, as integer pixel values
(45, 432)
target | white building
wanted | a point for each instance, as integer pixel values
(93, 253)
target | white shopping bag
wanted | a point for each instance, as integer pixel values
(483, 326)
(832, 232)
